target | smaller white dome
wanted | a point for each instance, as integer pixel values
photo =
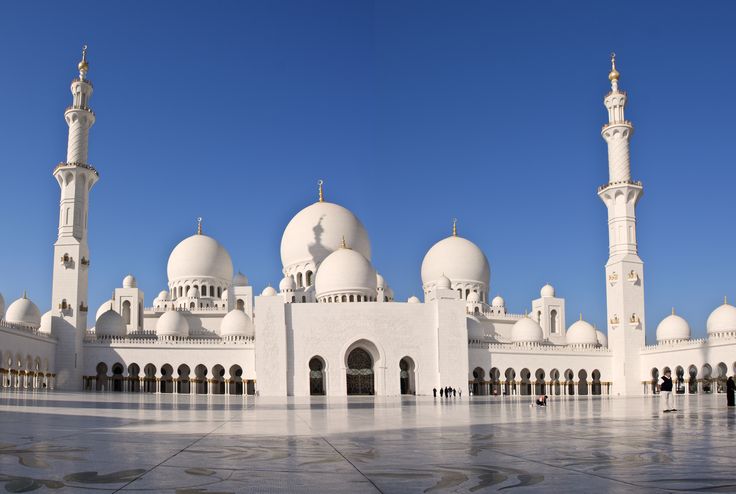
(602, 338)
(163, 295)
(129, 281)
(722, 320)
(287, 283)
(498, 301)
(269, 291)
(172, 323)
(193, 292)
(547, 291)
(526, 330)
(673, 327)
(581, 333)
(2, 306)
(380, 282)
(413, 300)
(110, 324)
(236, 323)
(24, 312)
(345, 271)
(473, 298)
(389, 292)
(224, 295)
(240, 279)
(46, 321)
(443, 283)
(106, 306)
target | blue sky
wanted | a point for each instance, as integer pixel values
(412, 112)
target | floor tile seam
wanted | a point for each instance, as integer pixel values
(169, 458)
(353, 465)
(540, 462)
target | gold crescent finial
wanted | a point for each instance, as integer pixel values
(199, 226)
(83, 66)
(454, 227)
(725, 300)
(613, 75)
(673, 311)
(581, 316)
(320, 182)
(343, 245)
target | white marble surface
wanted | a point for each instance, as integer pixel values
(65, 442)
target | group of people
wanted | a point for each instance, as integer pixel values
(665, 390)
(447, 392)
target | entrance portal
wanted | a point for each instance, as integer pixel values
(360, 373)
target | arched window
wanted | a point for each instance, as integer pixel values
(219, 291)
(467, 292)
(352, 298)
(344, 298)
(212, 290)
(126, 312)
(553, 321)
(316, 376)
(240, 305)
(299, 280)
(309, 278)
(304, 299)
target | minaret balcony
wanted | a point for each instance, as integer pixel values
(635, 183)
(83, 108)
(76, 164)
(84, 262)
(627, 123)
(86, 81)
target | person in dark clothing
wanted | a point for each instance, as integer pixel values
(434, 392)
(730, 391)
(666, 390)
(441, 392)
(454, 392)
(542, 401)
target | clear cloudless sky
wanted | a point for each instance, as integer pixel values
(413, 112)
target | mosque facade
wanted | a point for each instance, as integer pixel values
(333, 326)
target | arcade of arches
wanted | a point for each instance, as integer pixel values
(180, 380)
(690, 379)
(524, 382)
(19, 372)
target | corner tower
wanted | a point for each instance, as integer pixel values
(75, 176)
(624, 269)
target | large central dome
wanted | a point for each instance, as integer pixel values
(317, 230)
(200, 256)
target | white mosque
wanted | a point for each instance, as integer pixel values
(333, 327)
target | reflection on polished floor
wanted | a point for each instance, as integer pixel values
(64, 442)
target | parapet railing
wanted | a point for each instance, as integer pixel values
(620, 182)
(26, 329)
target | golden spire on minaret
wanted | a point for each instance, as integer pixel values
(613, 75)
(454, 227)
(321, 193)
(199, 226)
(83, 66)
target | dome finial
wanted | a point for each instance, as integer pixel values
(454, 227)
(343, 245)
(321, 182)
(199, 226)
(725, 300)
(614, 75)
(673, 311)
(581, 316)
(83, 66)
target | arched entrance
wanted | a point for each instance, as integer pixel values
(134, 383)
(582, 382)
(596, 386)
(182, 382)
(495, 376)
(317, 377)
(117, 377)
(570, 382)
(149, 381)
(360, 372)
(554, 384)
(692, 383)
(218, 380)
(510, 384)
(236, 380)
(101, 377)
(655, 381)
(679, 380)
(479, 376)
(406, 373)
(707, 378)
(539, 386)
(526, 384)
(166, 383)
(200, 380)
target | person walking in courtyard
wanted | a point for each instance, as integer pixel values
(434, 392)
(441, 392)
(730, 391)
(666, 389)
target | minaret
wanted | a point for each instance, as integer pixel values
(624, 269)
(71, 253)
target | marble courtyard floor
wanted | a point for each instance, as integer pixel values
(65, 442)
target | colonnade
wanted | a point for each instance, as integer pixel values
(26, 379)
